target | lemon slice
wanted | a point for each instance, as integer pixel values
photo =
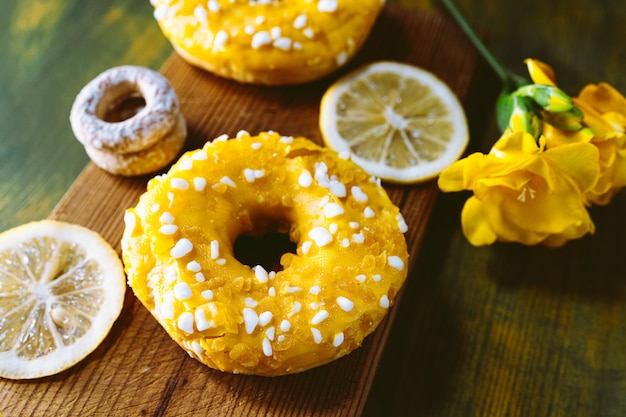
(399, 122)
(61, 289)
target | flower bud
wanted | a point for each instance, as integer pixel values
(548, 97)
(517, 114)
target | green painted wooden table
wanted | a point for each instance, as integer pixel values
(503, 330)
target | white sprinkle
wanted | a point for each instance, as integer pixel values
(221, 261)
(314, 305)
(275, 32)
(361, 278)
(186, 165)
(166, 218)
(200, 277)
(328, 6)
(315, 289)
(228, 181)
(281, 337)
(260, 39)
(167, 307)
(251, 302)
(267, 347)
(305, 180)
(384, 301)
(306, 247)
(213, 308)
(215, 249)
(249, 29)
(197, 348)
(342, 58)
(286, 139)
(338, 188)
(299, 22)
(130, 221)
(201, 322)
(199, 183)
(333, 228)
(354, 225)
(213, 6)
(402, 224)
(179, 184)
(345, 303)
(308, 32)
(358, 194)
(285, 325)
(260, 273)
(377, 278)
(320, 236)
(338, 340)
(221, 138)
(248, 174)
(200, 14)
(207, 294)
(319, 317)
(251, 319)
(168, 229)
(220, 39)
(396, 262)
(297, 45)
(242, 133)
(283, 43)
(155, 208)
(291, 289)
(259, 20)
(265, 317)
(358, 237)
(368, 213)
(256, 146)
(182, 291)
(297, 306)
(270, 333)
(170, 197)
(181, 248)
(200, 155)
(333, 210)
(345, 242)
(317, 335)
(271, 292)
(171, 275)
(185, 322)
(194, 266)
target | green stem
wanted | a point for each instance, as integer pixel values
(509, 80)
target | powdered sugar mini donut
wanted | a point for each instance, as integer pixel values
(141, 142)
(264, 41)
(333, 291)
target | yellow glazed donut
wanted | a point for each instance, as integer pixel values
(274, 42)
(350, 261)
(129, 140)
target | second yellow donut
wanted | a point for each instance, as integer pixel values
(267, 42)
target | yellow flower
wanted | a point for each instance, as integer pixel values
(540, 72)
(523, 192)
(604, 109)
(604, 126)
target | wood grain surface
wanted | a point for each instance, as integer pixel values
(138, 370)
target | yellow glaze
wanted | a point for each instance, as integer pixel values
(267, 42)
(350, 262)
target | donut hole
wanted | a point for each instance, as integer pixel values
(123, 102)
(264, 249)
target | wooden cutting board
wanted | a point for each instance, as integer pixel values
(139, 370)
